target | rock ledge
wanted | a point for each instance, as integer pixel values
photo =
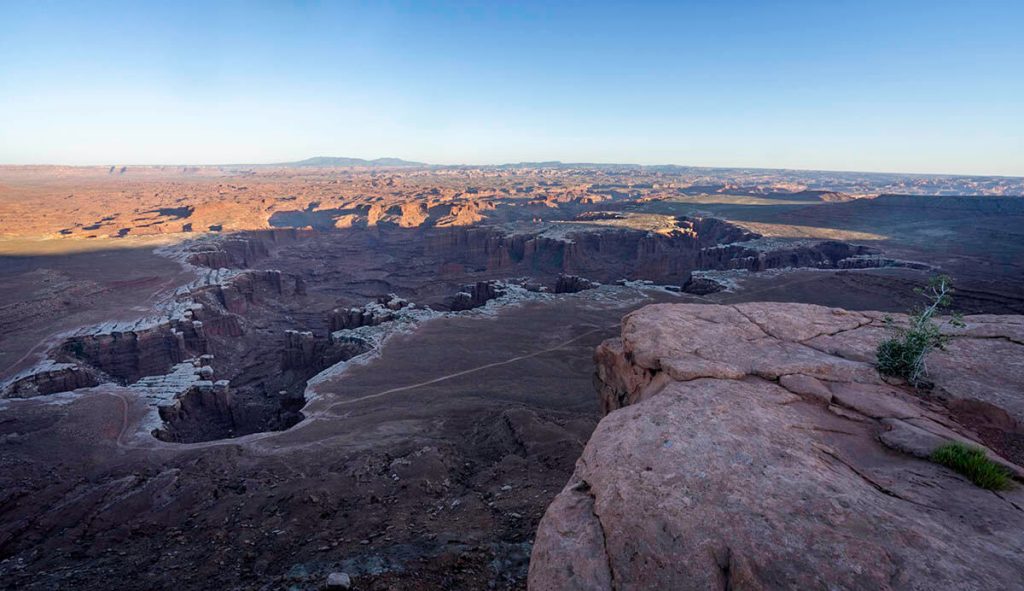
(755, 447)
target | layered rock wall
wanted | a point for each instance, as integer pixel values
(611, 253)
(242, 250)
(49, 377)
(130, 354)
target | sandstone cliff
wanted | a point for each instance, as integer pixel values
(755, 447)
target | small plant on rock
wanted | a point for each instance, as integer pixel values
(972, 463)
(903, 354)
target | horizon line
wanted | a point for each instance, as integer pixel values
(537, 163)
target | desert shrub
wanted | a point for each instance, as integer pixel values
(903, 354)
(972, 463)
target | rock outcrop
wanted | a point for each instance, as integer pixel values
(371, 314)
(234, 252)
(238, 251)
(701, 284)
(190, 401)
(246, 288)
(476, 295)
(151, 346)
(607, 254)
(755, 447)
(573, 284)
(131, 351)
(48, 377)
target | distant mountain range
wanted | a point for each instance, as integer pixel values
(342, 161)
(832, 177)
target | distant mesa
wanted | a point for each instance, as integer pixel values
(325, 161)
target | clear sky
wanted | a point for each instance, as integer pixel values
(933, 86)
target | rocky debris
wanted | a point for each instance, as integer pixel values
(573, 284)
(755, 446)
(476, 295)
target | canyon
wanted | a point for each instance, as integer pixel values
(252, 377)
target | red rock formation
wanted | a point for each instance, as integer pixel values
(247, 288)
(755, 446)
(203, 406)
(240, 251)
(235, 252)
(130, 354)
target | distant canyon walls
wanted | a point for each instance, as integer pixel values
(602, 254)
(609, 254)
(597, 253)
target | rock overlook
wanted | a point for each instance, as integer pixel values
(755, 447)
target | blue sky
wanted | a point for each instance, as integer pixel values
(888, 86)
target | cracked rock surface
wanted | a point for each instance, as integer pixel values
(755, 447)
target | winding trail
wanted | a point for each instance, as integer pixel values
(321, 414)
(456, 374)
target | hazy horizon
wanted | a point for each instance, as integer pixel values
(913, 88)
(497, 164)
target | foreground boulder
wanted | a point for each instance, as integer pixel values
(755, 447)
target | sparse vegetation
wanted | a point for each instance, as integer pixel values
(972, 463)
(903, 355)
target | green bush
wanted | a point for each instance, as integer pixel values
(972, 463)
(903, 354)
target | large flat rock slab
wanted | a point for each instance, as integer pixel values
(784, 466)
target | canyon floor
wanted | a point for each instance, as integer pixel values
(248, 379)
